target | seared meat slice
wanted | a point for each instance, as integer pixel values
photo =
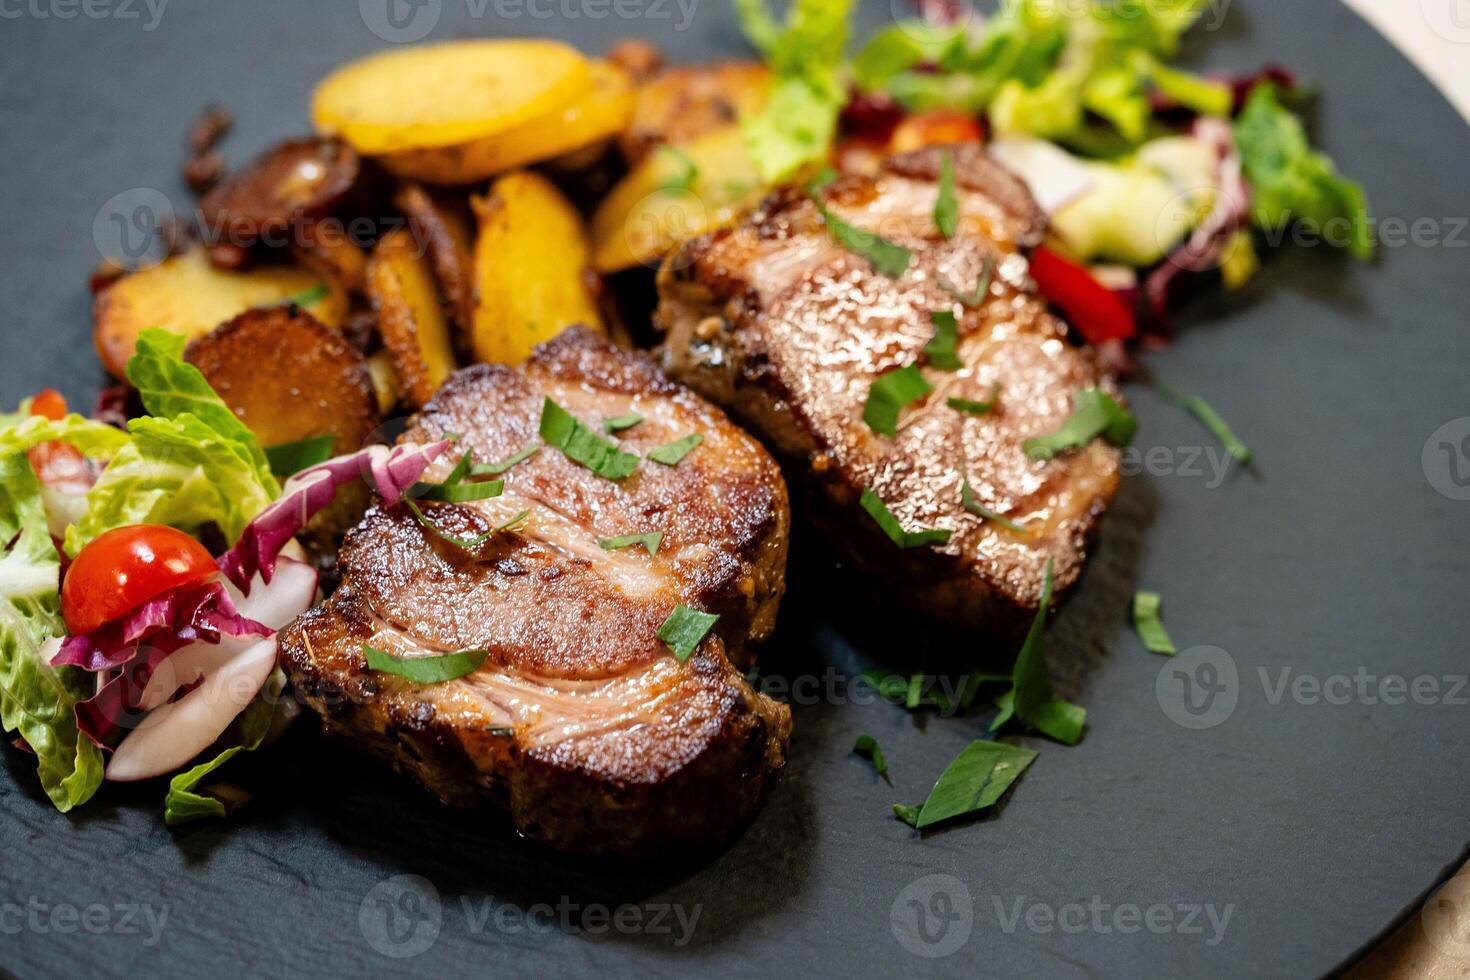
(775, 320)
(580, 721)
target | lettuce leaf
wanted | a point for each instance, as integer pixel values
(183, 804)
(179, 472)
(36, 700)
(798, 123)
(88, 437)
(1290, 182)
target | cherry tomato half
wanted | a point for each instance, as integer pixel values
(56, 463)
(124, 568)
(50, 403)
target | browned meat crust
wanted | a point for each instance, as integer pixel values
(580, 722)
(776, 321)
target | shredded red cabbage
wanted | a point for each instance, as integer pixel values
(390, 471)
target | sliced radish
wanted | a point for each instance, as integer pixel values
(291, 592)
(1055, 177)
(171, 735)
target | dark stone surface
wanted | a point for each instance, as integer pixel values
(1315, 825)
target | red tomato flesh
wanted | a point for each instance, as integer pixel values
(124, 568)
(50, 403)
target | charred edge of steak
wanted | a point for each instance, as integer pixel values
(566, 808)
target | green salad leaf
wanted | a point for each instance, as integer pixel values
(36, 699)
(289, 458)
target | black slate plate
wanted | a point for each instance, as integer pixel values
(1312, 825)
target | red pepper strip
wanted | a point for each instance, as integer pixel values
(1095, 310)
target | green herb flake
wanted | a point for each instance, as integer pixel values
(884, 518)
(671, 454)
(688, 170)
(468, 544)
(425, 670)
(582, 445)
(684, 629)
(975, 781)
(621, 422)
(977, 295)
(459, 492)
(1094, 413)
(650, 542)
(1030, 699)
(946, 205)
(941, 349)
(969, 407)
(1219, 428)
(495, 469)
(888, 258)
(514, 521)
(313, 294)
(289, 458)
(972, 505)
(1149, 625)
(890, 394)
(867, 747)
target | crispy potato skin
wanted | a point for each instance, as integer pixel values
(443, 228)
(188, 295)
(411, 317)
(289, 377)
(597, 115)
(531, 260)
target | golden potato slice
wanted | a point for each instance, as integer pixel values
(331, 256)
(188, 295)
(531, 268)
(411, 318)
(681, 104)
(672, 195)
(597, 115)
(385, 381)
(443, 229)
(289, 377)
(444, 94)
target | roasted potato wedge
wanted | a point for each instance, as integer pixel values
(288, 377)
(411, 317)
(446, 94)
(678, 105)
(331, 255)
(443, 229)
(601, 112)
(672, 195)
(531, 268)
(188, 295)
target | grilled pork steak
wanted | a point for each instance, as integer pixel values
(580, 721)
(777, 321)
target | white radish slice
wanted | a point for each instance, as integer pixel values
(291, 592)
(1055, 177)
(169, 736)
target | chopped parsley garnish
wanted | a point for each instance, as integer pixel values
(867, 747)
(946, 205)
(495, 469)
(459, 492)
(425, 670)
(670, 454)
(468, 544)
(975, 781)
(1094, 413)
(888, 258)
(688, 170)
(1149, 625)
(977, 295)
(582, 445)
(968, 501)
(884, 518)
(1200, 409)
(684, 629)
(973, 407)
(293, 457)
(1030, 699)
(941, 350)
(312, 294)
(650, 542)
(621, 422)
(888, 396)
